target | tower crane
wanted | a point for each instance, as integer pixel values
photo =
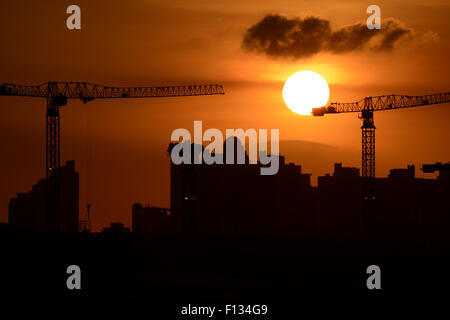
(57, 95)
(366, 107)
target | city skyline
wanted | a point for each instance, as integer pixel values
(224, 158)
(138, 45)
(301, 196)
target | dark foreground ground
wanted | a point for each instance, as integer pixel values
(196, 270)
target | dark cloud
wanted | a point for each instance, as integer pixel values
(392, 32)
(278, 36)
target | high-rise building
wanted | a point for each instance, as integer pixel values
(407, 208)
(154, 221)
(28, 210)
(340, 203)
(235, 199)
(412, 208)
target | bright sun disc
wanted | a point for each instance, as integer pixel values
(305, 90)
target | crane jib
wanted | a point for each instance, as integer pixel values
(87, 92)
(366, 108)
(57, 94)
(380, 103)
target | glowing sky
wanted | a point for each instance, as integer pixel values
(171, 42)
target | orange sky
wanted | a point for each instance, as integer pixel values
(199, 41)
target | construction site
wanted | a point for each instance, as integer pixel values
(318, 166)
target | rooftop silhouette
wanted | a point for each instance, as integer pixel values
(28, 210)
(235, 200)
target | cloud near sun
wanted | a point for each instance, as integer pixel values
(277, 36)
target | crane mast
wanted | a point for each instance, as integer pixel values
(366, 107)
(57, 95)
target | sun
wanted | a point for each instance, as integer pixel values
(305, 90)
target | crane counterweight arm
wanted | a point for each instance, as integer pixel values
(87, 91)
(387, 102)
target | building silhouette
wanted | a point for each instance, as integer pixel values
(235, 199)
(154, 221)
(339, 203)
(27, 211)
(407, 208)
(443, 169)
(411, 208)
(116, 227)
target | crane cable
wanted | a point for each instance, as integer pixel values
(88, 145)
